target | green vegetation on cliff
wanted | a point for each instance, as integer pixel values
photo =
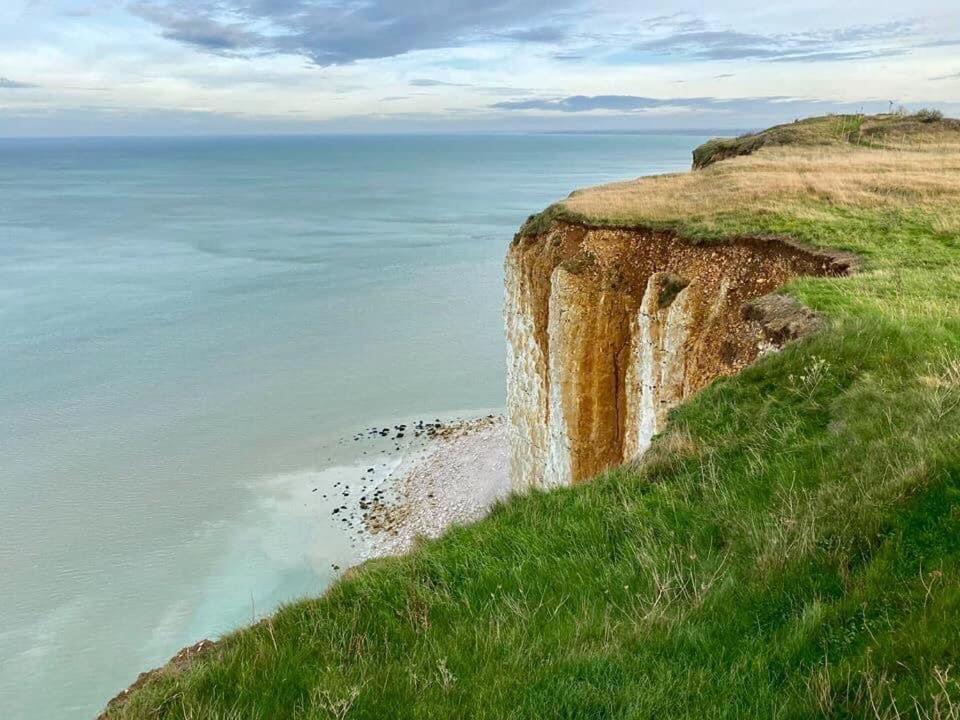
(790, 548)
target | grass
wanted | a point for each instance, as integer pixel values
(782, 182)
(789, 548)
(860, 130)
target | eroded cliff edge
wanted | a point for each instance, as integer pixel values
(608, 329)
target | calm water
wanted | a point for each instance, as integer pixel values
(187, 330)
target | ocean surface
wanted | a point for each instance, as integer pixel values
(191, 333)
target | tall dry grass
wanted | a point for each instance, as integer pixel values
(782, 179)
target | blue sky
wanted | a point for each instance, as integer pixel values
(106, 67)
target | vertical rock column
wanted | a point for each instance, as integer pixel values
(526, 381)
(589, 332)
(656, 372)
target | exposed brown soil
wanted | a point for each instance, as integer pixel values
(598, 277)
(782, 318)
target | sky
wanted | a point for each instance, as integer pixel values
(174, 67)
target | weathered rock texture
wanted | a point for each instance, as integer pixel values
(608, 329)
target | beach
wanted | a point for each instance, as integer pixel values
(454, 480)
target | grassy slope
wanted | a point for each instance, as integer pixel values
(790, 548)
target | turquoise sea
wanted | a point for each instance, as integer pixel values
(192, 330)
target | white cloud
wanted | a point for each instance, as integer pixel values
(262, 64)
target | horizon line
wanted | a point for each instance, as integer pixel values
(397, 133)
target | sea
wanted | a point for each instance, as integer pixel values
(193, 334)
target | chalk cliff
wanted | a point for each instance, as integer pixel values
(608, 329)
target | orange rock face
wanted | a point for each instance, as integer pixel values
(608, 329)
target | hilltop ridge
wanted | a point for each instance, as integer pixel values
(889, 131)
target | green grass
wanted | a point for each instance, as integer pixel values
(790, 548)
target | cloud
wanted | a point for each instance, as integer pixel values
(635, 111)
(587, 103)
(677, 22)
(489, 89)
(342, 31)
(8, 84)
(338, 32)
(838, 55)
(545, 34)
(737, 115)
(427, 82)
(569, 56)
(708, 43)
(951, 76)
(944, 42)
(851, 43)
(636, 104)
(210, 35)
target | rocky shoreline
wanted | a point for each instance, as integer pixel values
(454, 480)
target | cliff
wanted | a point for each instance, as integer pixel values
(608, 329)
(789, 543)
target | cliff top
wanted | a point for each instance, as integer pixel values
(885, 162)
(890, 131)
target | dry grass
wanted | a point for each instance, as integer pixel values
(782, 180)
(896, 131)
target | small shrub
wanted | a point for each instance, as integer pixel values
(929, 115)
